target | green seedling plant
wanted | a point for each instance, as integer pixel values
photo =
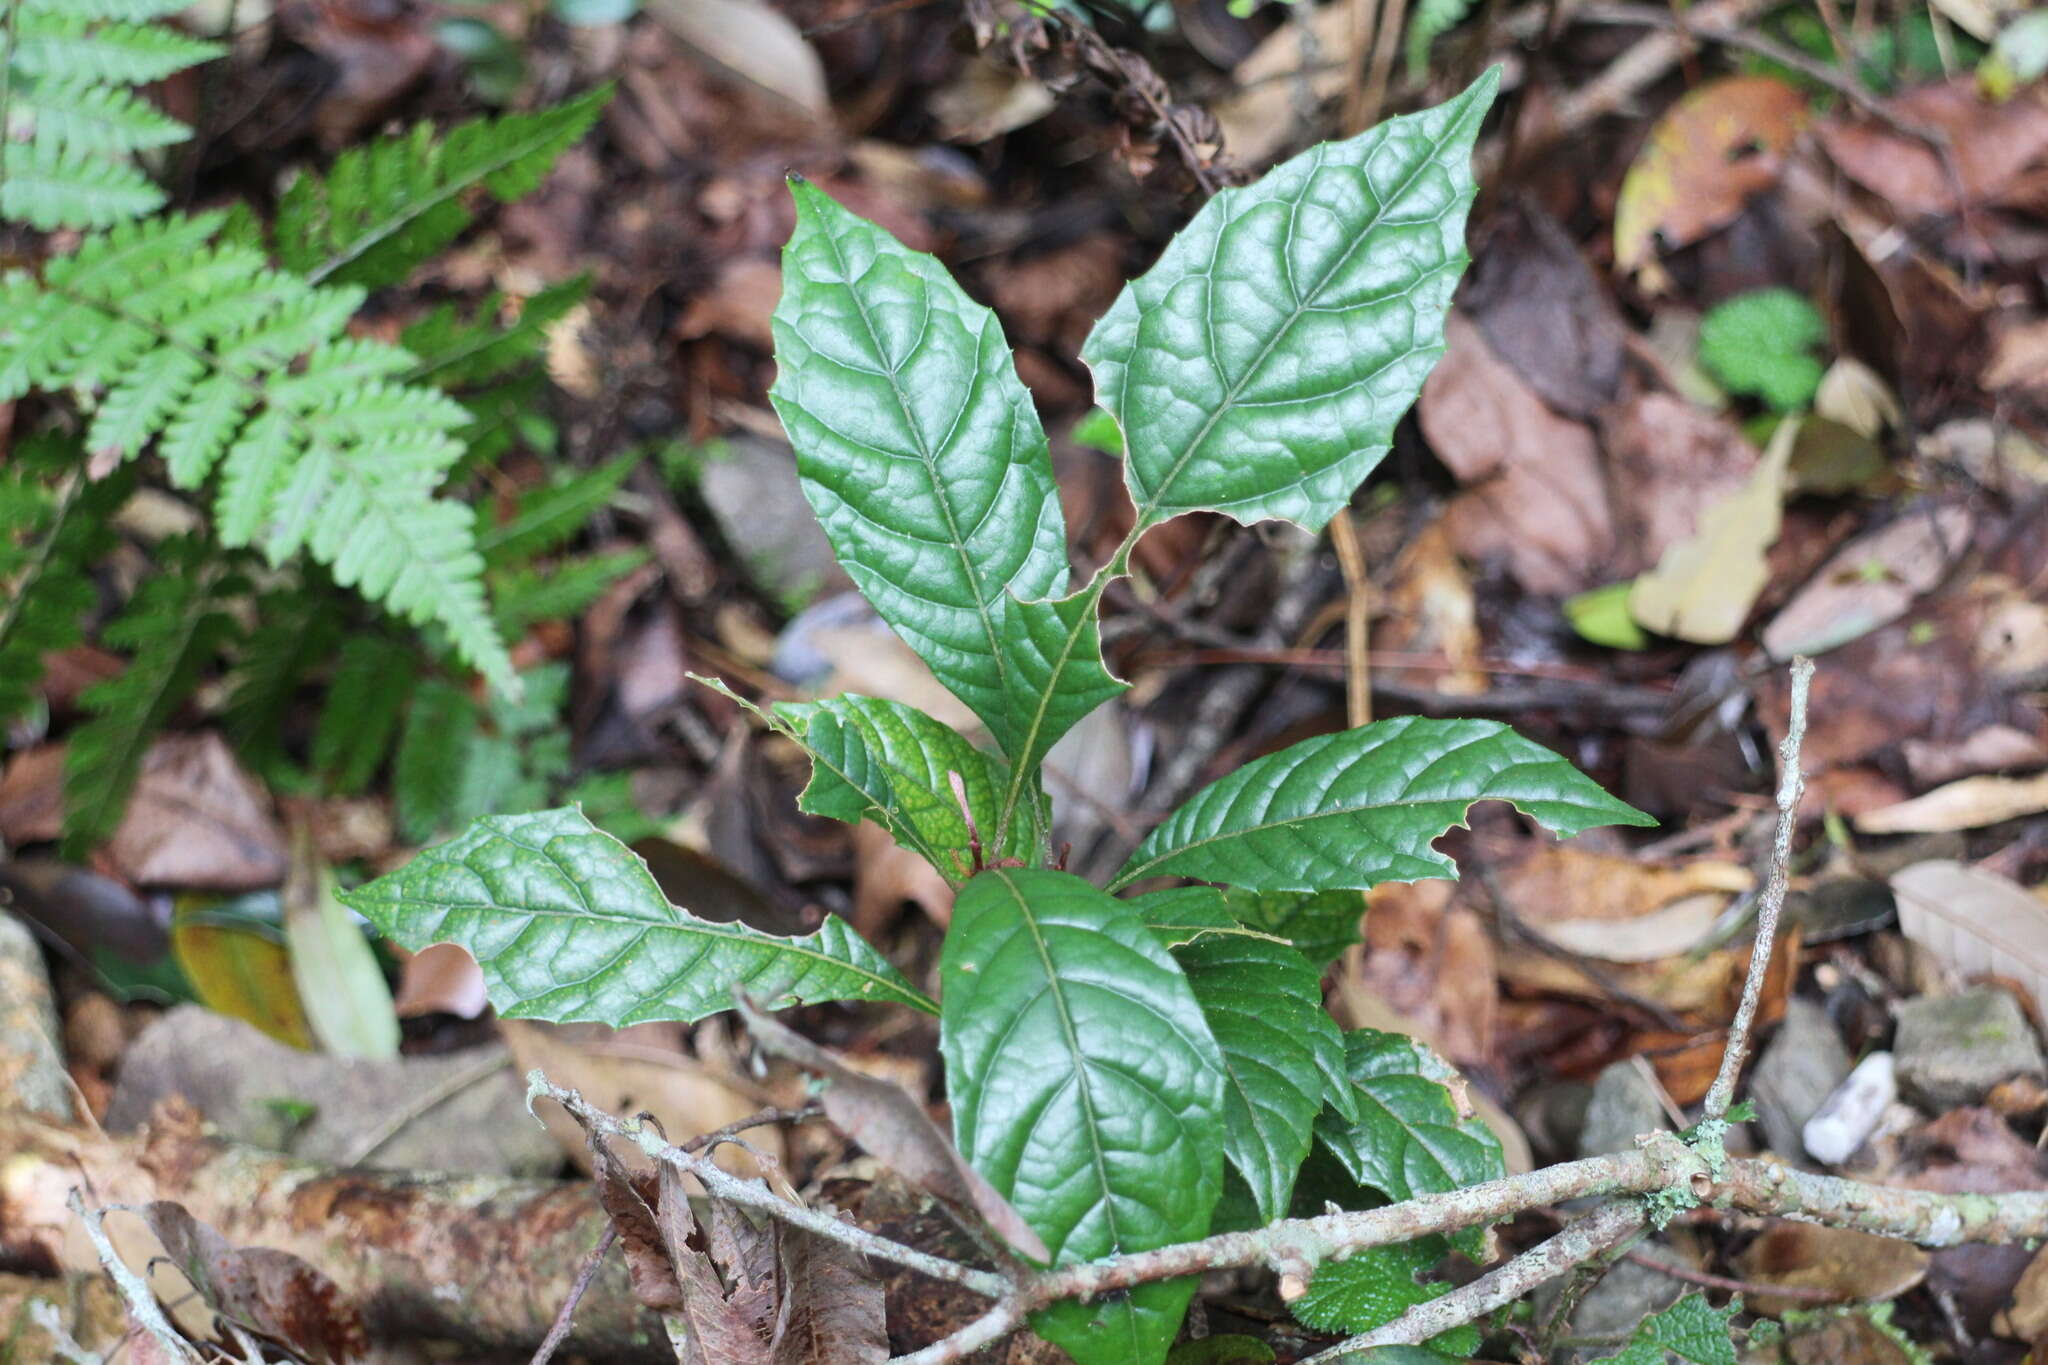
(1137, 1064)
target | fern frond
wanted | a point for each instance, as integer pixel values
(433, 753)
(547, 516)
(297, 629)
(174, 626)
(456, 352)
(373, 680)
(164, 332)
(525, 597)
(1433, 19)
(384, 208)
(54, 526)
(71, 128)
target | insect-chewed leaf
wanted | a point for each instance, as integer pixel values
(568, 924)
(1086, 1088)
(1691, 1330)
(1360, 807)
(1282, 1053)
(922, 455)
(1260, 367)
(891, 763)
(1376, 1286)
(1409, 1139)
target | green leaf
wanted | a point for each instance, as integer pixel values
(1377, 1285)
(384, 208)
(1361, 807)
(558, 591)
(1085, 1087)
(1762, 343)
(922, 455)
(55, 525)
(567, 924)
(1259, 368)
(347, 1001)
(1409, 1139)
(1320, 924)
(549, 515)
(1691, 1330)
(373, 680)
(1282, 1053)
(891, 763)
(433, 750)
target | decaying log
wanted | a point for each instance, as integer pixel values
(479, 1260)
(31, 1066)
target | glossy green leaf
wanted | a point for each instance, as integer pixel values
(1259, 368)
(1320, 924)
(1377, 1285)
(1409, 1139)
(1361, 807)
(1085, 1088)
(1691, 1330)
(1282, 1053)
(567, 924)
(922, 455)
(891, 763)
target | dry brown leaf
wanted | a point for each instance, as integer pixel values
(1652, 936)
(738, 304)
(1560, 884)
(2026, 1318)
(1310, 53)
(1668, 461)
(1534, 492)
(1871, 581)
(635, 1070)
(1703, 587)
(886, 876)
(1430, 609)
(1707, 156)
(1975, 922)
(1989, 146)
(1855, 1265)
(986, 99)
(1429, 962)
(1969, 804)
(270, 1292)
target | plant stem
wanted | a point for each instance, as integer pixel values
(1791, 787)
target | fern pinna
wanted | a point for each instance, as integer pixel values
(230, 360)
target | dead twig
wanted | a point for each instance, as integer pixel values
(1705, 1280)
(1791, 787)
(565, 1317)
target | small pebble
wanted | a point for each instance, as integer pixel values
(1848, 1117)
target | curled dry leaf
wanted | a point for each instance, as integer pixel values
(270, 1292)
(883, 1117)
(441, 979)
(1668, 461)
(1975, 921)
(1989, 145)
(1707, 156)
(754, 42)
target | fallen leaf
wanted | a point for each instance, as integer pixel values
(1534, 494)
(887, 876)
(1856, 396)
(2019, 357)
(270, 1292)
(1668, 461)
(1666, 931)
(1309, 54)
(754, 42)
(738, 304)
(238, 966)
(1428, 961)
(197, 819)
(1855, 1265)
(895, 1129)
(635, 1070)
(2026, 1318)
(441, 979)
(1975, 922)
(986, 99)
(1703, 588)
(1430, 609)
(1545, 312)
(1558, 884)
(1704, 160)
(1989, 146)
(1871, 581)
(1971, 803)
(833, 1311)
(347, 1003)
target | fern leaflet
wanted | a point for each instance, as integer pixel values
(49, 540)
(383, 209)
(71, 126)
(175, 627)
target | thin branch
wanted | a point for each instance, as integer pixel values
(565, 1317)
(1597, 1232)
(991, 1327)
(136, 1295)
(1801, 1293)
(755, 1195)
(1791, 787)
